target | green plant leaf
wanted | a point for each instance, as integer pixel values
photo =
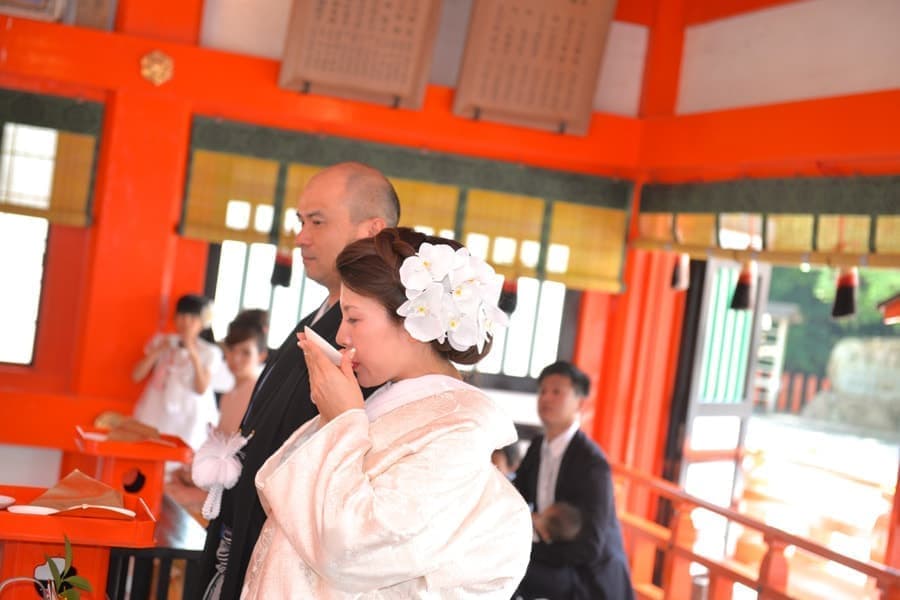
(68, 554)
(53, 570)
(70, 594)
(79, 582)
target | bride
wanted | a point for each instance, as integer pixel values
(396, 496)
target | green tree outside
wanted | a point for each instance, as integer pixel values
(809, 343)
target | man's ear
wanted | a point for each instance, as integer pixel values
(375, 225)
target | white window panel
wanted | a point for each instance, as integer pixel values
(547, 326)
(504, 251)
(262, 220)
(478, 244)
(257, 285)
(227, 300)
(26, 239)
(521, 329)
(26, 166)
(237, 214)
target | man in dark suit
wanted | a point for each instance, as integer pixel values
(339, 205)
(564, 465)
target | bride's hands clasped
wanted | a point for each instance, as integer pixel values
(334, 390)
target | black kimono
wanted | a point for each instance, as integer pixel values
(280, 403)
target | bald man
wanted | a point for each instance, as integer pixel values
(339, 205)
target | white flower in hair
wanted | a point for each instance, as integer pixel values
(431, 263)
(491, 317)
(450, 296)
(423, 313)
(462, 332)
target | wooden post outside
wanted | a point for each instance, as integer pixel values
(783, 391)
(677, 580)
(773, 571)
(797, 393)
(720, 587)
(812, 388)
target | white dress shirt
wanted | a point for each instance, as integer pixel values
(551, 456)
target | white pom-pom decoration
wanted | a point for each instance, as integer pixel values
(217, 467)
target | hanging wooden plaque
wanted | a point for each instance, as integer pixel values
(370, 50)
(534, 63)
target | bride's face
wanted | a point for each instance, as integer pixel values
(384, 350)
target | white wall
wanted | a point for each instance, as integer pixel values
(622, 71)
(804, 50)
(29, 466)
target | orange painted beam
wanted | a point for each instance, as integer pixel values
(639, 12)
(702, 11)
(845, 135)
(49, 420)
(169, 20)
(244, 88)
(659, 91)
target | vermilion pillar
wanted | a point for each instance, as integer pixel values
(139, 187)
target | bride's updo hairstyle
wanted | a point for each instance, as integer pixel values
(371, 267)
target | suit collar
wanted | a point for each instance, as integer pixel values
(557, 446)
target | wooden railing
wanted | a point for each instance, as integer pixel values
(646, 539)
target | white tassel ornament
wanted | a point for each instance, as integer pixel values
(217, 467)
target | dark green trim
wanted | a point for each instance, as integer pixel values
(92, 181)
(546, 222)
(814, 243)
(450, 169)
(876, 195)
(278, 205)
(718, 226)
(873, 233)
(629, 214)
(459, 221)
(56, 112)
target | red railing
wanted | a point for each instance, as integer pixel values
(645, 539)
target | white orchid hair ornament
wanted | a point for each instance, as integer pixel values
(451, 295)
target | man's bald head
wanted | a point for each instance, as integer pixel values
(367, 192)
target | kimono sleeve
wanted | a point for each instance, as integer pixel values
(368, 529)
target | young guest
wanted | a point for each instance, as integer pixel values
(179, 399)
(394, 496)
(245, 353)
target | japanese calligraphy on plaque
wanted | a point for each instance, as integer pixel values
(371, 50)
(534, 63)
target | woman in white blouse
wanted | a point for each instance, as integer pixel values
(396, 497)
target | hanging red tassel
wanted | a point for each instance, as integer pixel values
(845, 296)
(744, 295)
(509, 295)
(681, 273)
(281, 272)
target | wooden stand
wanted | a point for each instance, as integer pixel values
(137, 469)
(26, 541)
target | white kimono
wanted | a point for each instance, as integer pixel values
(398, 501)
